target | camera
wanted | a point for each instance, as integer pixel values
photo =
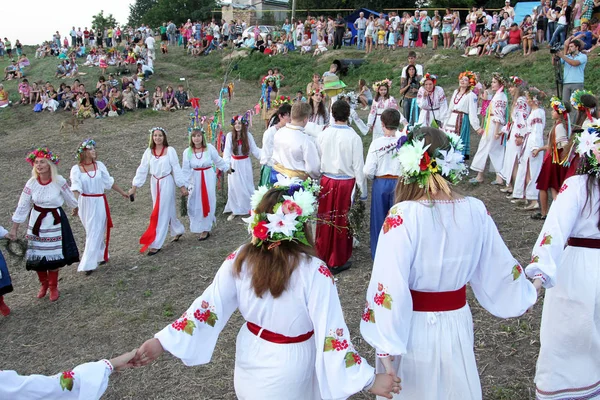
(555, 49)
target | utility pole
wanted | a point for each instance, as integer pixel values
(293, 9)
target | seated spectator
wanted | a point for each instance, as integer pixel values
(249, 43)
(238, 41)
(347, 37)
(477, 45)
(142, 97)
(101, 104)
(584, 34)
(128, 98)
(306, 45)
(182, 97)
(514, 41)
(4, 102)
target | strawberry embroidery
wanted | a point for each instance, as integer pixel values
(352, 358)
(535, 259)
(393, 220)
(546, 240)
(325, 271)
(231, 256)
(563, 188)
(206, 314)
(368, 314)
(66, 380)
(516, 272)
(382, 298)
(185, 325)
(335, 341)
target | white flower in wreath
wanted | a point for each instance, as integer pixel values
(284, 181)
(282, 223)
(587, 143)
(257, 196)
(305, 200)
(450, 160)
(410, 157)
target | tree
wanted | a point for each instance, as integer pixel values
(138, 10)
(178, 11)
(99, 21)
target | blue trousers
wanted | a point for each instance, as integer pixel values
(360, 39)
(382, 199)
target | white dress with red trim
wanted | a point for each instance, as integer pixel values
(50, 242)
(86, 381)
(416, 301)
(93, 212)
(517, 127)
(240, 183)
(296, 346)
(377, 108)
(201, 179)
(432, 107)
(568, 366)
(489, 145)
(528, 164)
(165, 173)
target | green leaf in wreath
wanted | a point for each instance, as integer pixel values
(516, 272)
(66, 383)
(328, 344)
(189, 327)
(212, 319)
(349, 358)
(372, 316)
(387, 301)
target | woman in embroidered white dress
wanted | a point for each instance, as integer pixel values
(462, 113)
(161, 161)
(490, 144)
(319, 115)
(525, 191)
(568, 366)
(416, 309)
(239, 144)
(50, 240)
(381, 102)
(432, 102)
(514, 132)
(89, 180)
(201, 179)
(295, 344)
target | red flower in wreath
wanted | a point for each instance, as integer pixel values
(260, 230)
(425, 161)
(290, 207)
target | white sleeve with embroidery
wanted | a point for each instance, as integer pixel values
(386, 319)
(536, 133)
(85, 382)
(421, 98)
(557, 229)
(341, 371)
(65, 191)
(443, 106)
(107, 180)
(372, 114)
(521, 114)
(472, 111)
(498, 282)
(192, 338)
(142, 171)
(360, 124)
(498, 112)
(24, 206)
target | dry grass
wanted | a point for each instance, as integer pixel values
(134, 296)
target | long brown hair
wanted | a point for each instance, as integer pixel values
(243, 136)
(271, 269)
(202, 145)
(437, 141)
(165, 142)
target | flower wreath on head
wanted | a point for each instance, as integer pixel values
(587, 145)
(536, 94)
(471, 76)
(281, 100)
(158, 128)
(242, 118)
(42, 152)
(417, 166)
(558, 106)
(501, 79)
(576, 99)
(87, 144)
(429, 77)
(386, 82)
(286, 222)
(516, 81)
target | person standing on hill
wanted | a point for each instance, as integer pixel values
(360, 25)
(340, 28)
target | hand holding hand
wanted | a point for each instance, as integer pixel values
(385, 385)
(147, 353)
(75, 211)
(12, 235)
(123, 361)
(184, 191)
(132, 191)
(535, 152)
(480, 131)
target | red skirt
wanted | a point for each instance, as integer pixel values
(552, 175)
(334, 241)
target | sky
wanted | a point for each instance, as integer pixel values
(41, 18)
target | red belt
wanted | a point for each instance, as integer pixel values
(439, 301)
(204, 192)
(43, 212)
(109, 222)
(150, 234)
(581, 242)
(239, 157)
(276, 337)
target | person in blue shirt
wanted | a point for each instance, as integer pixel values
(585, 35)
(573, 62)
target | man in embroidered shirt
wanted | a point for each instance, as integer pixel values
(294, 152)
(342, 167)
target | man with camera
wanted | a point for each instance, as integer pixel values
(574, 67)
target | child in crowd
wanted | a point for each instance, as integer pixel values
(158, 99)
(306, 45)
(171, 103)
(115, 105)
(321, 46)
(34, 96)
(25, 91)
(68, 99)
(103, 64)
(380, 38)
(128, 98)
(112, 82)
(142, 97)
(84, 109)
(299, 97)
(182, 98)
(101, 104)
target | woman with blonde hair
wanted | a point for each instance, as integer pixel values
(416, 314)
(295, 344)
(51, 245)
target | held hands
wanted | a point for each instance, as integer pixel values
(75, 211)
(147, 353)
(123, 361)
(12, 235)
(184, 191)
(385, 385)
(480, 131)
(535, 152)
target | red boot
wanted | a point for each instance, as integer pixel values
(53, 285)
(43, 277)
(4, 310)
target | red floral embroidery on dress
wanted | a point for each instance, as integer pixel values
(185, 325)
(335, 342)
(392, 221)
(535, 259)
(563, 188)
(325, 271)
(231, 256)
(536, 121)
(66, 380)
(206, 314)
(368, 314)
(516, 272)
(27, 190)
(382, 298)
(546, 240)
